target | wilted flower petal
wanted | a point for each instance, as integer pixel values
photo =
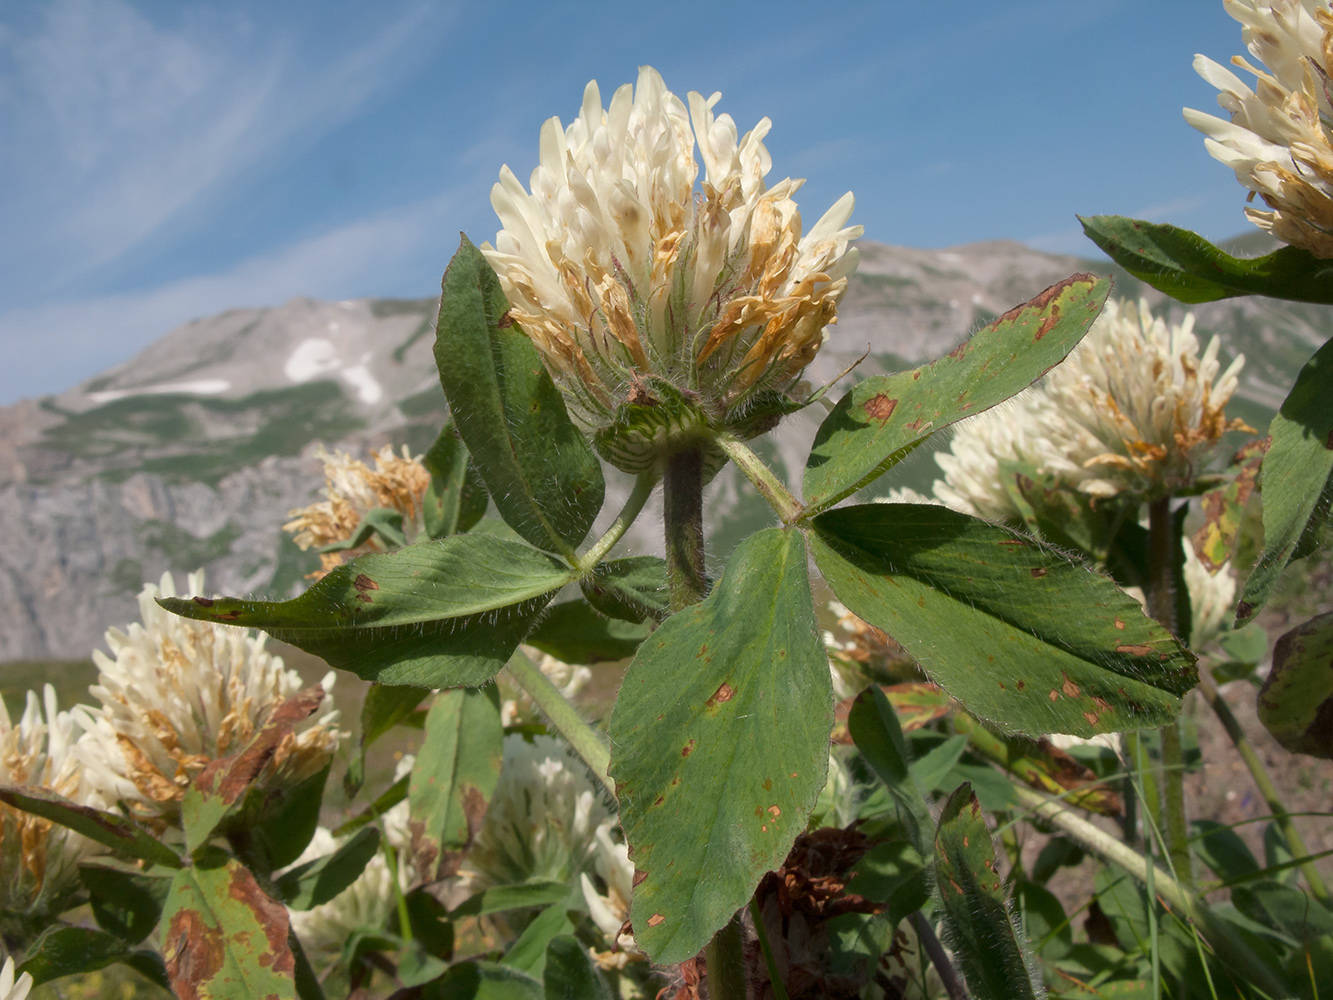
(1277, 139)
(177, 694)
(618, 269)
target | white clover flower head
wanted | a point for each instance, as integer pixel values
(858, 651)
(610, 909)
(1212, 598)
(1277, 139)
(177, 694)
(543, 820)
(39, 859)
(1134, 410)
(9, 989)
(351, 489)
(619, 269)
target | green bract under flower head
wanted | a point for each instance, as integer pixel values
(627, 278)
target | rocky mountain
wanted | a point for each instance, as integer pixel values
(191, 453)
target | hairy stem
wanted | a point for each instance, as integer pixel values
(1264, 783)
(773, 489)
(725, 958)
(643, 489)
(683, 510)
(1161, 593)
(930, 944)
(585, 740)
(778, 987)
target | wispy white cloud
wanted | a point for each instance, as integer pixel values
(118, 125)
(52, 347)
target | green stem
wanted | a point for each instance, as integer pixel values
(683, 510)
(773, 489)
(1265, 785)
(643, 489)
(1161, 593)
(585, 740)
(1226, 943)
(725, 959)
(761, 932)
(930, 944)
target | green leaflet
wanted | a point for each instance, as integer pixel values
(456, 498)
(540, 470)
(122, 835)
(570, 974)
(483, 981)
(873, 725)
(880, 420)
(576, 633)
(720, 744)
(501, 898)
(989, 948)
(1190, 269)
(68, 951)
(1021, 634)
(454, 778)
(318, 881)
(435, 614)
(386, 705)
(223, 939)
(125, 903)
(1296, 480)
(631, 589)
(1296, 702)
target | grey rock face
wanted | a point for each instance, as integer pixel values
(192, 453)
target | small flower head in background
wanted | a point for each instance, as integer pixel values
(860, 653)
(570, 679)
(609, 909)
(1278, 139)
(1134, 410)
(351, 490)
(39, 859)
(618, 269)
(177, 694)
(11, 990)
(542, 822)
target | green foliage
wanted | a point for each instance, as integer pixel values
(540, 470)
(631, 589)
(714, 778)
(1297, 478)
(64, 951)
(990, 948)
(1296, 701)
(1020, 633)
(316, 882)
(882, 419)
(574, 631)
(455, 778)
(125, 837)
(1190, 269)
(873, 725)
(456, 499)
(569, 973)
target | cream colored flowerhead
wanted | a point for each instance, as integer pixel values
(1278, 139)
(620, 268)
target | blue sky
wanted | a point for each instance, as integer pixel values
(161, 161)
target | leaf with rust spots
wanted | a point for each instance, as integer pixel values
(454, 779)
(364, 583)
(224, 939)
(707, 758)
(979, 926)
(961, 596)
(447, 612)
(220, 785)
(122, 835)
(1224, 508)
(882, 419)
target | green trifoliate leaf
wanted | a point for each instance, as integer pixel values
(631, 589)
(1296, 480)
(1190, 269)
(540, 470)
(1296, 701)
(882, 419)
(456, 498)
(1023, 635)
(720, 739)
(454, 778)
(435, 614)
(990, 948)
(316, 882)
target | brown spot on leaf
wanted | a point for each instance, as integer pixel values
(1048, 323)
(193, 951)
(659, 800)
(1054, 695)
(723, 694)
(505, 321)
(768, 784)
(203, 602)
(966, 841)
(958, 352)
(880, 407)
(639, 876)
(1002, 687)
(1091, 717)
(230, 776)
(1020, 685)
(1120, 624)
(1070, 689)
(655, 919)
(688, 748)
(916, 424)
(1037, 572)
(272, 918)
(1014, 543)
(774, 811)
(1133, 650)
